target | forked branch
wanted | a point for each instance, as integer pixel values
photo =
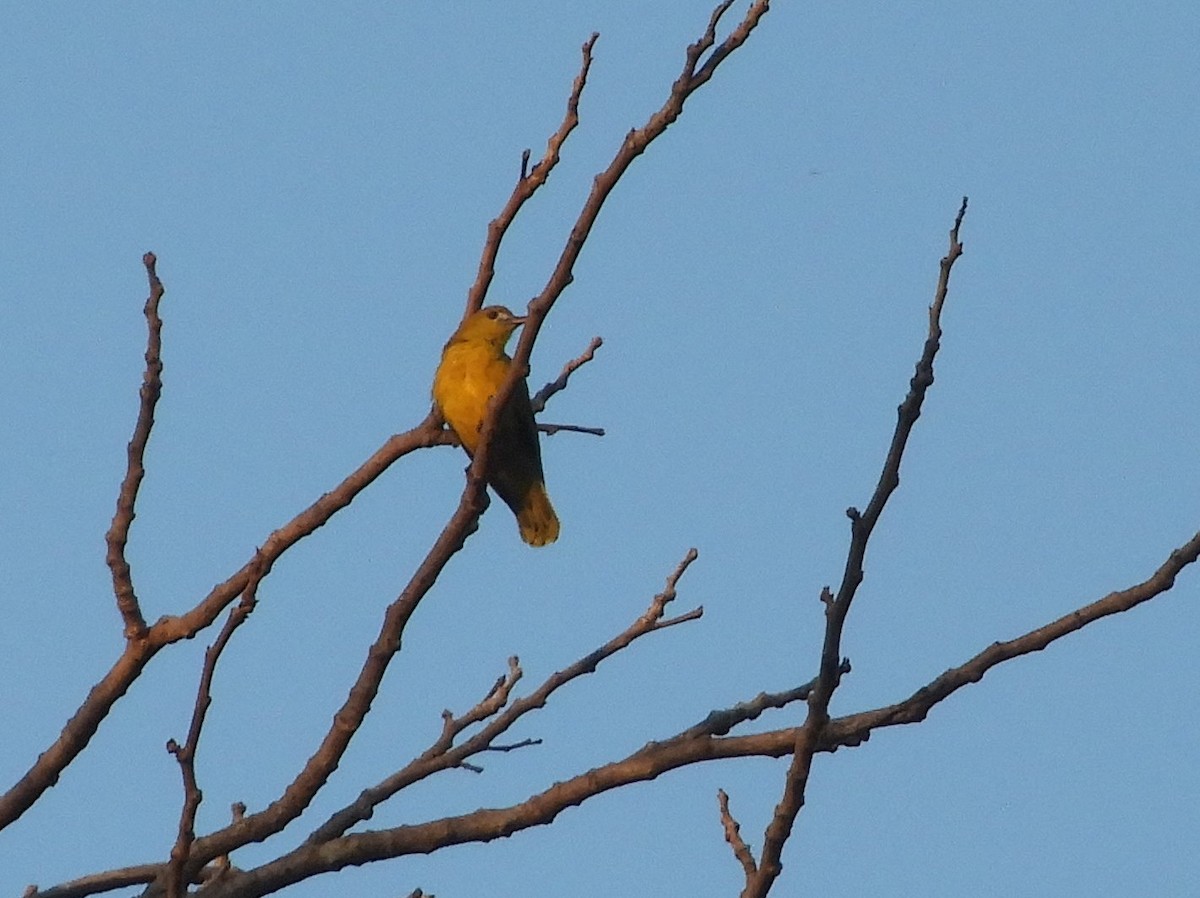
(809, 737)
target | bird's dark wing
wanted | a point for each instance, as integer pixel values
(516, 455)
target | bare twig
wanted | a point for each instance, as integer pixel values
(857, 728)
(551, 429)
(496, 699)
(135, 470)
(443, 754)
(512, 746)
(185, 754)
(527, 185)
(138, 653)
(560, 383)
(808, 740)
(733, 836)
(700, 743)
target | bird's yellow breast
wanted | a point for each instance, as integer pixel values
(470, 374)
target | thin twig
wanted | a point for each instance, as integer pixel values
(701, 743)
(560, 383)
(808, 739)
(135, 470)
(78, 731)
(443, 754)
(185, 754)
(733, 836)
(527, 185)
(551, 429)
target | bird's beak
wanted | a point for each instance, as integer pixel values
(519, 319)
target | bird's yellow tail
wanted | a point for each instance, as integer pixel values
(537, 520)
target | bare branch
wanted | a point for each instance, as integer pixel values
(857, 728)
(138, 653)
(118, 532)
(686, 748)
(185, 755)
(733, 836)
(513, 746)
(443, 754)
(703, 742)
(808, 739)
(527, 185)
(108, 881)
(551, 429)
(634, 144)
(560, 383)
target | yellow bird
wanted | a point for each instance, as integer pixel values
(473, 367)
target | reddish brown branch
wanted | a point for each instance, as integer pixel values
(118, 532)
(527, 185)
(635, 143)
(560, 383)
(703, 742)
(857, 728)
(83, 724)
(691, 746)
(733, 836)
(443, 754)
(185, 754)
(809, 737)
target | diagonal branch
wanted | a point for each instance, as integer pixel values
(137, 654)
(118, 532)
(527, 185)
(635, 143)
(703, 742)
(733, 836)
(443, 754)
(857, 728)
(809, 739)
(539, 399)
(185, 754)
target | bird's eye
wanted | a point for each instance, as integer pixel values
(492, 313)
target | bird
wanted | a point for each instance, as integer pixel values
(472, 369)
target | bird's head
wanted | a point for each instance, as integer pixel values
(493, 324)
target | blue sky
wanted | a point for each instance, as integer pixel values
(316, 181)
